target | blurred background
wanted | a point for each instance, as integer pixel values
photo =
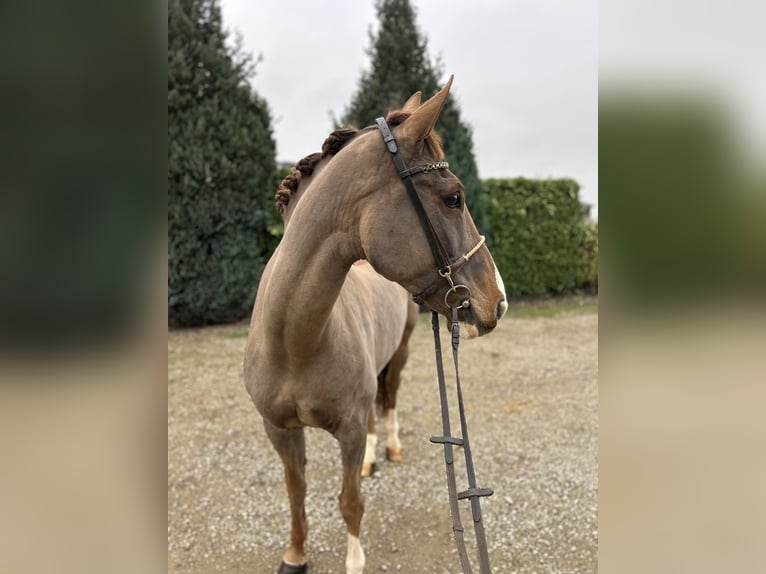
(682, 104)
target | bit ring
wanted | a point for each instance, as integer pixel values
(460, 295)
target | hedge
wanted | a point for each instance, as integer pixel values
(587, 279)
(537, 234)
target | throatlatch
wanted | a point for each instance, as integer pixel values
(457, 297)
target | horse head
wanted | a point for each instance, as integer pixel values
(395, 237)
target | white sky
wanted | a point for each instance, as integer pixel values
(526, 75)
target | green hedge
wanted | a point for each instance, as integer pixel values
(588, 277)
(537, 234)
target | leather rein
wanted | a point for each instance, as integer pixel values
(457, 297)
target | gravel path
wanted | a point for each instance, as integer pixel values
(531, 395)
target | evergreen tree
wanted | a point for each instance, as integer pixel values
(221, 171)
(400, 66)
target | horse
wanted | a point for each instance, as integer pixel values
(323, 329)
(288, 194)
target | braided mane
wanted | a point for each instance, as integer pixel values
(305, 167)
(335, 142)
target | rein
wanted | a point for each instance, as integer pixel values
(447, 268)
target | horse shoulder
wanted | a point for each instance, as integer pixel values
(380, 307)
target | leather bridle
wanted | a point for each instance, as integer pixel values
(460, 299)
(446, 267)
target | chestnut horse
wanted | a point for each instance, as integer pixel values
(323, 329)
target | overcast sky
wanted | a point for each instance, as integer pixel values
(526, 75)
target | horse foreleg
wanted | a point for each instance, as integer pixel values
(291, 446)
(352, 445)
(368, 468)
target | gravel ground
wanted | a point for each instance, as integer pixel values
(531, 396)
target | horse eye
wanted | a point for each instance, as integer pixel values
(454, 201)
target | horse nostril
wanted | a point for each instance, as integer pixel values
(502, 307)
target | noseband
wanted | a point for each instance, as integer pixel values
(457, 296)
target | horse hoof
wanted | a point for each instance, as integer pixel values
(394, 454)
(368, 469)
(292, 568)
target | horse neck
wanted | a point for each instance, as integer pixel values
(303, 185)
(309, 268)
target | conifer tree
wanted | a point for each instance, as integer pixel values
(400, 65)
(221, 170)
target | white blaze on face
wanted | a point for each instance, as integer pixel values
(392, 428)
(501, 286)
(369, 452)
(355, 556)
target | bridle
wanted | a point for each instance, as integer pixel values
(445, 266)
(457, 297)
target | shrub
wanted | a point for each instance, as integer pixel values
(537, 234)
(221, 171)
(588, 276)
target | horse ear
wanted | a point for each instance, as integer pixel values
(423, 120)
(413, 103)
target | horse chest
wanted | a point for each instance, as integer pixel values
(317, 392)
